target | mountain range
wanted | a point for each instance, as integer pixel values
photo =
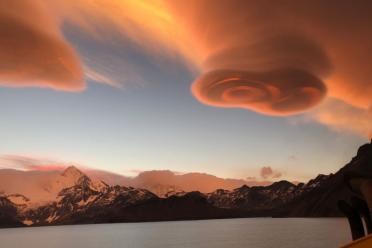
(72, 197)
(40, 185)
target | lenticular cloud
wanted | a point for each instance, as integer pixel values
(278, 75)
(279, 92)
(282, 58)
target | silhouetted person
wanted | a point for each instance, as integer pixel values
(362, 207)
(356, 225)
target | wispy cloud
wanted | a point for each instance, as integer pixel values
(342, 117)
(100, 78)
(24, 162)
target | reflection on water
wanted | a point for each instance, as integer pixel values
(232, 233)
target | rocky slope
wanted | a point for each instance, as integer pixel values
(322, 200)
(264, 199)
(8, 214)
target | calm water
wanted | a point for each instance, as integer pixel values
(239, 233)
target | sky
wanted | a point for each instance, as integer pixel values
(222, 87)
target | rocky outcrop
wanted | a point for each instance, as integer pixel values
(8, 214)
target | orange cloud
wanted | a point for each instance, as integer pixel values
(256, 55)
(268, 172)
(32, 49)
(281, 92)
(145, 22)
(189, 181)
(275, 58)
(244, 43)
(342, 117)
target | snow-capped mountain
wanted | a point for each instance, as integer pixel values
(41, 186)
(84, 194)
(79, 199)
(35, 188)
(91, 201)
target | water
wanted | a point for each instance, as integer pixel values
(231, 233)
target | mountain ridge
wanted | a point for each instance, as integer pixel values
(91, 201)
(38, 185)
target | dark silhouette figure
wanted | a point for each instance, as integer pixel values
(361, 206)
(356, 224)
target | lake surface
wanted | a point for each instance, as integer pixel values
(230, 233)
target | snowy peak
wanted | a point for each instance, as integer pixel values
(316, 182)
(72, 172)
(255, 197)
(82, 198)
(71, 177)
(282, 185)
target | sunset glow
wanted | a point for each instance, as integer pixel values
(190, 86)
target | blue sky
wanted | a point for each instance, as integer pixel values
(161, 126)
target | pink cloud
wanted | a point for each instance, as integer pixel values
(157, 180)
(267, 172)
(343, 117)
(30, 163)
(192, 181)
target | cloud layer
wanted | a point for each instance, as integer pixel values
(262, 36)
(32, 49)
(276, 58)
(159, 181)
(279, 92)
